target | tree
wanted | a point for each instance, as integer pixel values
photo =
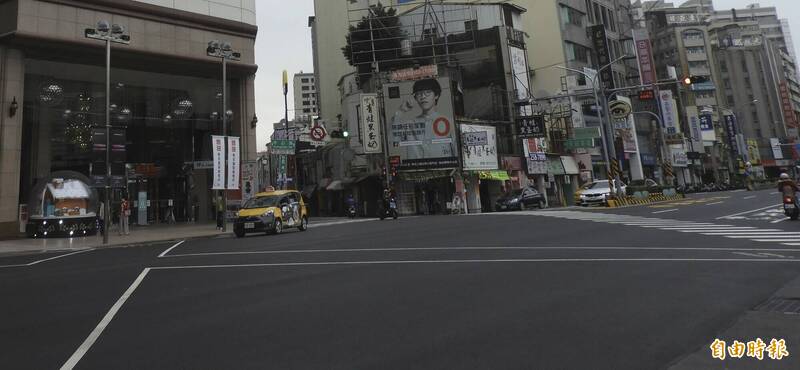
(376, 38)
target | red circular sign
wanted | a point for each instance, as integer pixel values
(441, 127)
(317, 133)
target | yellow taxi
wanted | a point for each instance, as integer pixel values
(272, 212)
(577, 195)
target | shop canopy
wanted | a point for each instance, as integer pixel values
(424, 176)
(494, 175)
(555, 167)
(570, 166)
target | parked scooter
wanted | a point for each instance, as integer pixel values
(351, 212)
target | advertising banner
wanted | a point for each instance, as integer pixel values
(777, 152)
(535, 156)
(644, 54)
(707, 127)
(786, 104)
(249, 180)
(694, 128)
(479, 147)
(233, 163)
(218, 157)
(422, 128)
(600, 45)
(730, 132)
(753, 155)
(532, 126)
(669, 112)
(371, 124)
(519, 67)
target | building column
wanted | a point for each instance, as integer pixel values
(12, 74)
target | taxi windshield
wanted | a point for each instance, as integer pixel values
(262, 202)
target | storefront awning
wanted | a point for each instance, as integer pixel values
(423, 176)
(555, 167)
(570, 166)
(494, 175)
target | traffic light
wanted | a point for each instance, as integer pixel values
(691, 80)
(340, 134)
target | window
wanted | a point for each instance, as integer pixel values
(744, 65)
(304, 80)
(305, 88)
(727, 83)
(305, 102)
(696, 50)
(571, 16)
(576, 52)
(692, 35)
(723, 67)
(589, 12)
(305, 95)
(306, 110)
(508, 16)
(755, 119)
(730, 100)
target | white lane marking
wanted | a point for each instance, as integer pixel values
(414, 249)
(738, 190)
(760, 239)
(764, 236)
(750, 197)
(164, 253)
(742, 232)
(749, 254)
(774, 193)
(709, 228)
(84, 347)
(334, 223)
(792, 244)
(665, 211)
(775, 255)
(753, 234)
(409, 262)
(715, 203)
(48, 259)
(746, 212)
(778, 220)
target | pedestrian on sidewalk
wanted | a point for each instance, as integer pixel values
(124, 215)
(101, 218)
(220, 212)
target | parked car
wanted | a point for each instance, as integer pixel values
(598, 192)
(272, 212)
(577, 195)
(520, 199)
(648, 185)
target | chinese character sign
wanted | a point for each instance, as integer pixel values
(644, 56)
(669, 112)
(535, 156)
(479, 147)
(218, 156)
(233, 163)
(531, 127)
(730, 131)
(371, 124)
(600, 43)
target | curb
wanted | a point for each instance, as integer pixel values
(632, 201)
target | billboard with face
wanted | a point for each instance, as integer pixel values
(421, 124)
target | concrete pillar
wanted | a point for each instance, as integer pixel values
(473, 189)
(12, 74)
(540, 185)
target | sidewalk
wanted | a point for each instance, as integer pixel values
(778, 318)
(138, 236)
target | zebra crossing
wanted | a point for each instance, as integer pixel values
(752, 233)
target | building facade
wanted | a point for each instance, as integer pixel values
(305, 96)
(165, 106)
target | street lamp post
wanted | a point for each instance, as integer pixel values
(108, 33)
(607, 138)
(224, 51)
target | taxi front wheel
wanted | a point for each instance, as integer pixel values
(303, 224)
(278, 227)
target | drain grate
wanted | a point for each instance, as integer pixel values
(783, 305)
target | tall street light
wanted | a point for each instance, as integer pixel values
(224, 51)
(607, 139)
(109, 33)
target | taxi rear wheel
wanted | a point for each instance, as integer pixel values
(238, 232)
(303, 224)
(278, 227)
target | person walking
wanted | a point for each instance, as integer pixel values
(220, 212)
(124, 216)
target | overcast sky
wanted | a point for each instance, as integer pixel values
(284, 42)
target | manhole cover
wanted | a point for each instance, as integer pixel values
(783, 305)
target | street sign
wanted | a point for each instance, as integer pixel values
(531, 127)
(619, 109)
(586, 133)
(286, 147)
(572, 144)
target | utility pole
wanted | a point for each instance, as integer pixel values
(284, 157)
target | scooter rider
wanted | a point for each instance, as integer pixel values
(786, 185)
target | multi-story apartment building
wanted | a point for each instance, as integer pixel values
(305, 96)
(165, 99)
